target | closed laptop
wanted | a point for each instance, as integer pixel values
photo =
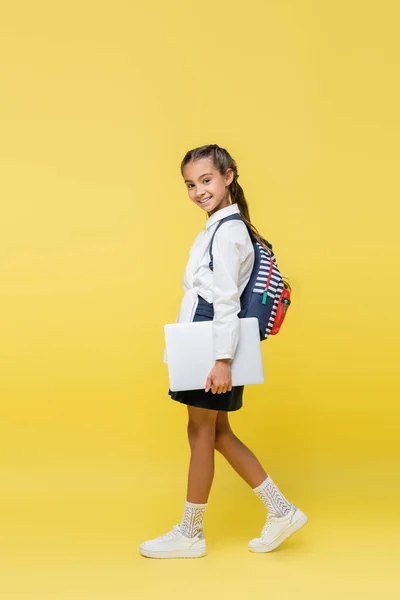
(190, 354)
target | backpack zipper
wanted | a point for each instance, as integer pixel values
(265, 295)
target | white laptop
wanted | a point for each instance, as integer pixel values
(190, 354)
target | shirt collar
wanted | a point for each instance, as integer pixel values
(221, 214)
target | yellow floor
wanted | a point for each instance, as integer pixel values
(69, 534)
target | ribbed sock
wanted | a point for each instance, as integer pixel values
(192, 520)
(275, 502)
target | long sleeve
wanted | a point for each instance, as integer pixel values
(228, 250)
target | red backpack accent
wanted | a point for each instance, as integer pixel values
(281, 311)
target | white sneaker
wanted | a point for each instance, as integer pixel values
(277, 529)
(175, 545)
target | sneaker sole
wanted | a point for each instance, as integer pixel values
(189, 553)
(301, 521)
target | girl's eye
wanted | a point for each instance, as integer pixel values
(190, 184)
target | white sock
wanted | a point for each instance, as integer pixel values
(275, 502)
(192, 520)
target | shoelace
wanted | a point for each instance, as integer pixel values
(270, 521)
(171, 534)
(268, 524)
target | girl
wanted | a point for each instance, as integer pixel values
(211, 177)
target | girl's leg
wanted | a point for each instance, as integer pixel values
(187, 539)
(284, 518)
(249, 468)
(239, 456)
(201, 434)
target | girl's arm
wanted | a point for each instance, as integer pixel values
(229, 251)
(230, 246)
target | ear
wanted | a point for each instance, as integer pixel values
(229, 176)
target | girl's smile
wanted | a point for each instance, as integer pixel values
(205, 200)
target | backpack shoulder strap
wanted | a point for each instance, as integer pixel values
(235, 217)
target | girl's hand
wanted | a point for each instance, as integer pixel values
(220, 377)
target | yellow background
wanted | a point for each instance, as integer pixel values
(99, 103)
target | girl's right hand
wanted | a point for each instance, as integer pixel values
(219, 379)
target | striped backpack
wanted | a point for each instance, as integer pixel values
(265, 296)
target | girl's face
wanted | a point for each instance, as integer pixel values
(207, 188)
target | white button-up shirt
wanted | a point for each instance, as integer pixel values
(233, 260)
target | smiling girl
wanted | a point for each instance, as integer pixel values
(211, 177)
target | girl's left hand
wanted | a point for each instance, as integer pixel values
(219, 379)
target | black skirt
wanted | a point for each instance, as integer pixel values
(228, 401)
